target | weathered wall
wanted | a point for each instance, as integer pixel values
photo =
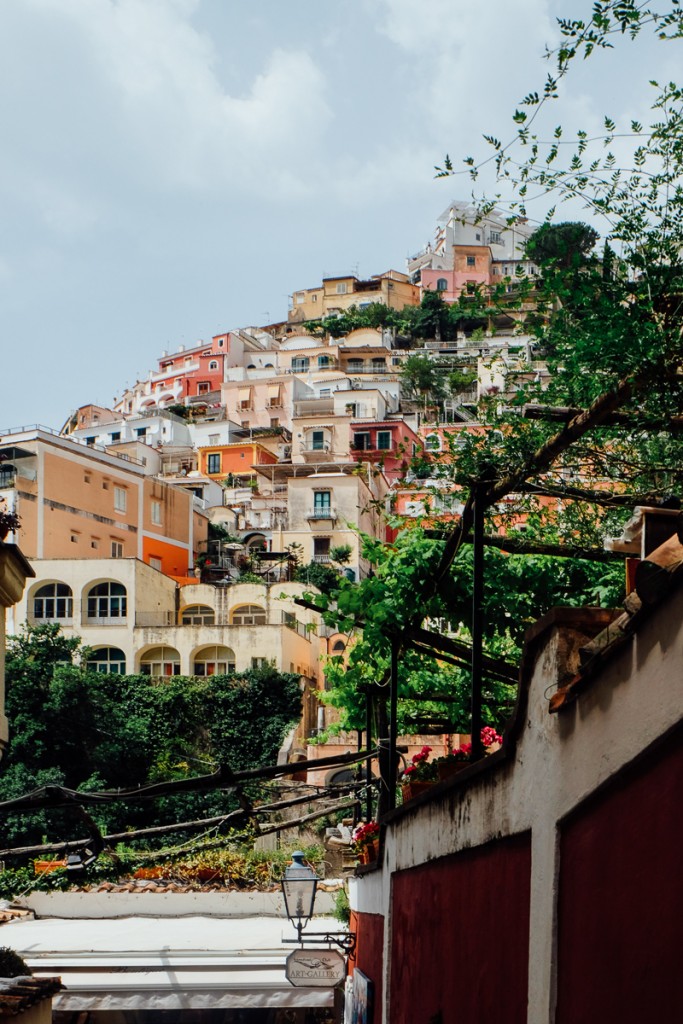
(554, 862)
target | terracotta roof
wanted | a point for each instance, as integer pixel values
(656, 577)
(19, 994)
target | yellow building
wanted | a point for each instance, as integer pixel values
(337, 294)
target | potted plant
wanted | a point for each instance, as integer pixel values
(366, 842)
(460, 757)
(8, 520)
(420, 774)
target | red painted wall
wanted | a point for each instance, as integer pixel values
(369, 958)
(460, 937)
(620, 915)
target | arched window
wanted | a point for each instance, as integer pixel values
(300, 364)
(53, 601)
(442, 285)
(339, 647)
(107, 603)
(213, 365)
(324, 361)
(248, 615)
(433, 443)
(160, 662)
(213, 661)
(107, 659)
(197, 615)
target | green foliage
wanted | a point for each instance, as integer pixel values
(11, 964)
(320, 575)
(86, 730)
(518, 590)
(567, 244)
(341, 553)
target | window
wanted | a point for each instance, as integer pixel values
(155, 563)
(116, 435)
(361, 442)
(433, 443)
(442, 285)
(110, 660)
(213, 661)
(384, 440)
(494, 238)
(74, 538)
(259, 663)
(471, 287)
(300, 364)
(95, 542)
(213, 365)
(160, 662)
(203, 387)
(107, 603)
(339, 647)
(318, 440)
(274, 422)
(321, 549)
(249, 615)
(314, 298)
(355, 366)
(471, 261)
(323, 362)
(198, 615)
(90, 441)
(53, 601)
(105, 485)
(116, 549)
(322, 504)
(120, 499)
(214, 438)
(213, 463)
(141, 431)
(220, 342)
(87, 478)
(156, 513)
(342, 287)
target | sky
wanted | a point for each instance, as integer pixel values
(172, 169)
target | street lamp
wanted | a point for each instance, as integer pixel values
(299, 886)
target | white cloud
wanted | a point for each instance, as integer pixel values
(156, 80)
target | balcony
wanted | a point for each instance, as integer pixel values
(314, 407)
(322, 559)
(322, 513)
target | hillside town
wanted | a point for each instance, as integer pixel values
(214, 524)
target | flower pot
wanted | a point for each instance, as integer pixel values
(369, 852)
(450, 768)
(413, 789)
(40, 867)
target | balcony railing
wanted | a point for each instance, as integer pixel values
(322, 513)
(322, 559)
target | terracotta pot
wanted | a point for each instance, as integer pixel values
(413, 789)
(450, 768)
(369, 852)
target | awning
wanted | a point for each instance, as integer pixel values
(273, 392)
(162, 963)
(244, 394)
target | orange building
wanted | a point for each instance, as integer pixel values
(233, 463)
(79, 501)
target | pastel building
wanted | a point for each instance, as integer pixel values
(469, 251)
(135, 619)
(77, 501)
(192, 375)
(337, 294)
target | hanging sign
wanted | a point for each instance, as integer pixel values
(314, 968)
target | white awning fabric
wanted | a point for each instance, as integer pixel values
(149, 963)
